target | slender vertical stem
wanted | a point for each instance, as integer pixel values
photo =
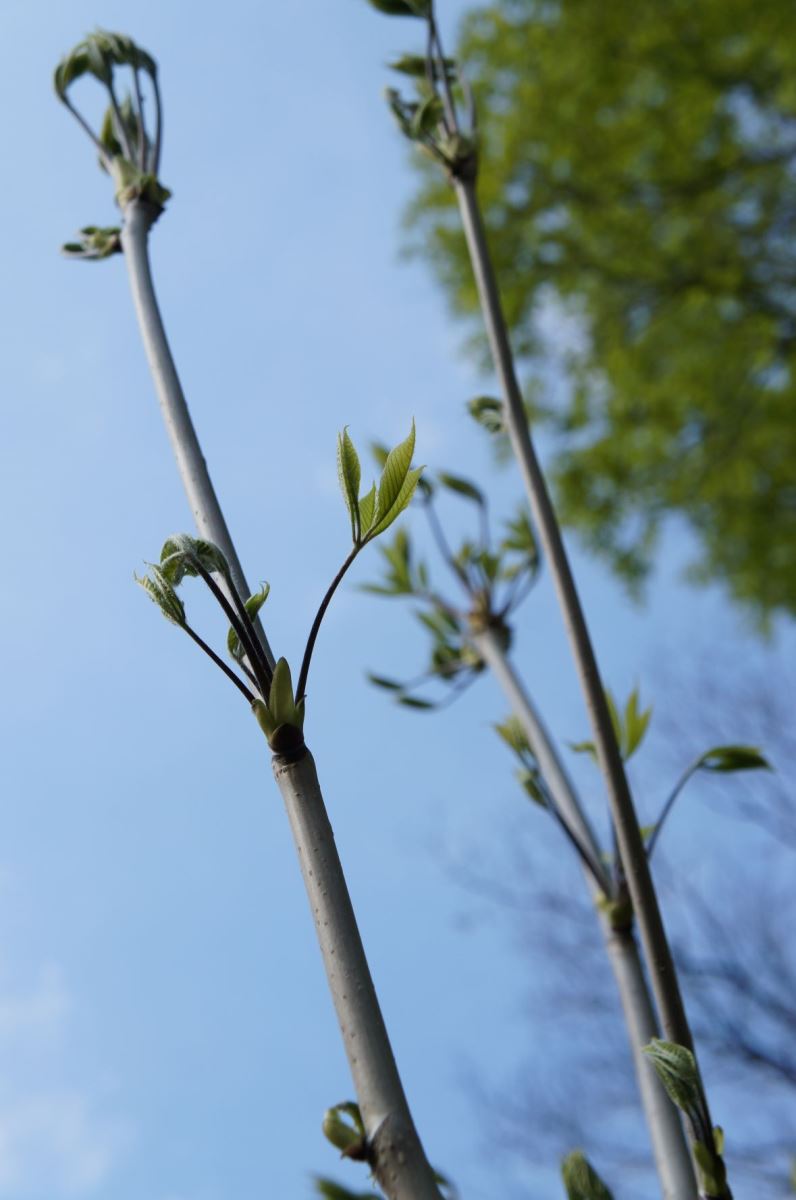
(631, 845)
(205, 507)
(121, 129)
(672, 1159)
(154, 159)
(394, 1148)
(139, 106)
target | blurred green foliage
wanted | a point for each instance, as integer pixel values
(637, 175)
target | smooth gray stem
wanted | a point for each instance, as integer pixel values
(631, 846)
(669, 1146)
(395, 1151)
(541, 743)
(209, 518)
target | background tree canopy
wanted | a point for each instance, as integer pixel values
(637, 173)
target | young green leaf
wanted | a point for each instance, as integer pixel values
(581, 1180)
(393, 475)
(463, 487)
(158, 588)
(95, 243)
(416, 702)
(426, 118)
(328, 1189)
(367, 506)
(635, 725)
(390, 685)
(416, 66)
(348, 471)
(734, 758)
(532, 783)
(677, 1070)
(401, 502)
(344, 1129)
(264, 718)
(281, 702)
(252, 606)
(396, 8)
(513, 734)
(584, 748)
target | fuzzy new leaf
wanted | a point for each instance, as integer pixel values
(677, 1070)
(159, 589)
(182, 554)
(581, 1180)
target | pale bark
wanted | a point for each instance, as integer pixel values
(669, 1146)
(394, 1149)
(206, 510)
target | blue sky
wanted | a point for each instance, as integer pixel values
(165, 1029)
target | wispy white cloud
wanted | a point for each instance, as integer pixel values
(56, 1143)
(56, 1138)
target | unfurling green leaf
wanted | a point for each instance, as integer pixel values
(159, 589)
(711, 1170)
(462, 487)
(281, 719)
(95, 243)
(426, 118)
(97, 55)
(734, 758)
(252, 606)
(581, 1180)
(343, 1126)
(281, 702)
(182, 555)
(349, 473)
(677, 1071)
(629, 728)
(488, 412)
